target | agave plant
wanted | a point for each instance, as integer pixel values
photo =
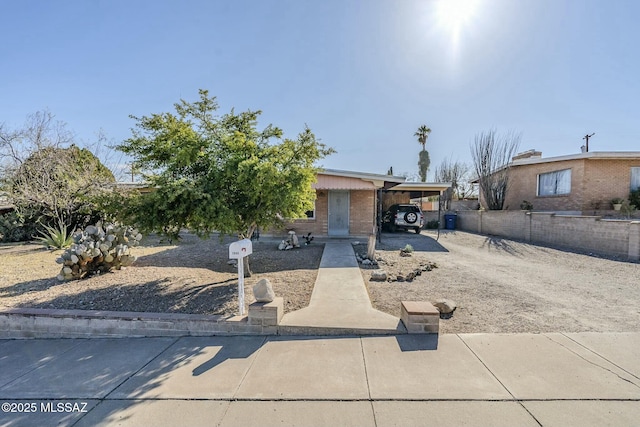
(57, 238)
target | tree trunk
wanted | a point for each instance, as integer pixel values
(245, 260)
(247, 267)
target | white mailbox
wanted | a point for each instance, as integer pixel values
(240, 249)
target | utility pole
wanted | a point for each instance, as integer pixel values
(586, 138)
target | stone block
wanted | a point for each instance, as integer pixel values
(420, 317)
(266, 314)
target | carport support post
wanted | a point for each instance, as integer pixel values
(439, 213)
(379, 216)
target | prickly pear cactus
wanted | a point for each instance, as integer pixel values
(98, 249)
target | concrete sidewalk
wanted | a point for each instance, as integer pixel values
(584, 379)
(340, 302)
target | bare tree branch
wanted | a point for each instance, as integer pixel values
(491, 154)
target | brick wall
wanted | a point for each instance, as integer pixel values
(320, 224)
(523, 185)
(362, 212)
(605, 180)
(394, 198)
(586, 233)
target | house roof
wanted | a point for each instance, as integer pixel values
(591, 155)
(333, 179)
(363, 175)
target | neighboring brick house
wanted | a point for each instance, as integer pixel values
(579, 183)
(347, 203)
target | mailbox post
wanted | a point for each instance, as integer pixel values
(238, 250)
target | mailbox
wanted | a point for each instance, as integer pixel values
(240, 249)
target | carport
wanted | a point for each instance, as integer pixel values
(394, 193)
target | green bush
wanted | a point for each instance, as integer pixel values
(14, 228)
(57, 238)
(433, 224)
(634, 198)
(526, 205)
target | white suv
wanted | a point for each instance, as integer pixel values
(403, 217)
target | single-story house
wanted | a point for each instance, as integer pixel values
(348, 203)
(351, 203)
(577, 183)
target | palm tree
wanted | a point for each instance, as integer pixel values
(422, 134)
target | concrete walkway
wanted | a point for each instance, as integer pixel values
(340, 302)
(584, 379)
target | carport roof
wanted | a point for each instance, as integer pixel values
(421, 186)
(421, 189)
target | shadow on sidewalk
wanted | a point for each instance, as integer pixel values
(406, 343)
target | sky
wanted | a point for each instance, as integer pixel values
(362, 74)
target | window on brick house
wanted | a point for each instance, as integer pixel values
(635, 178)
(312, 213)
(554, 183)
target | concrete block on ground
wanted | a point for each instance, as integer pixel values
(420, 317)
(266, 314)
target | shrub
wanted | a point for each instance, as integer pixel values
(408, 249)
(14, 228)
(433, 224)
(526, 206)
(627, 209)
(634, 198)
(57, 238)
(98, 250)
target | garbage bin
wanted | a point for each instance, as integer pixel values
(450, 221)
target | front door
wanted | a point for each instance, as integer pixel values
(338, 213)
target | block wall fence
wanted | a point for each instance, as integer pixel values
(619, 238)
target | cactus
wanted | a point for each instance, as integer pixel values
(98, 249)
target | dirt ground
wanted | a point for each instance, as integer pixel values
(502, 285)
(499, 285)
(190, 277)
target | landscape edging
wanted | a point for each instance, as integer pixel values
(46, 323)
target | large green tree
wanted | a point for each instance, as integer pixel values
(424, 162)
(219, 173)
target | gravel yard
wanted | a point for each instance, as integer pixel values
(499, 285)
(502, 285)
(190, 277)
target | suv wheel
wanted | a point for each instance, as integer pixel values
(410, 217)
(417, 230)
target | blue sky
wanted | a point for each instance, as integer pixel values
(363, 75)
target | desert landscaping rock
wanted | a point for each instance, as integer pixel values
(263, 291)
(445, 306)
(379, 276)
